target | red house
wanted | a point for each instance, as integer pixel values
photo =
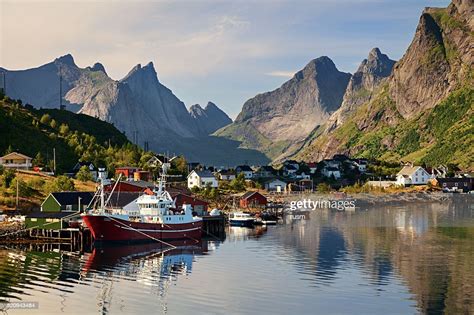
(130, 186)
(199, 206)
(253, 199)
(127, 171)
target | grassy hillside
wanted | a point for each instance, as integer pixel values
(75, 137)
(442, 135)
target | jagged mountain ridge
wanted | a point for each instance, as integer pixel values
(276, 122)
(139, 105)
(423, 111)
(210, 118)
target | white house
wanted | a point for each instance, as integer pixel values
(225, 175)
(331, 172)
(202, 179)
(289, 170)
(412, 175)
(275, 185)
(246, 170)
(16, 160)
(313, 167)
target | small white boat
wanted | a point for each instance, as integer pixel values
(241, 219)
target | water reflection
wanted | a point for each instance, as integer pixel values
(391, 259)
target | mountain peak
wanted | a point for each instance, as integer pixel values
(377, 63)
(138, 71)
(66, 59)
(98, 67)
(211, 105)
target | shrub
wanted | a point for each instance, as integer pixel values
(84, 174)
(7, 177)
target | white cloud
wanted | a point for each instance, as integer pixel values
(286, 74)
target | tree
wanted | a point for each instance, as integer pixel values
(7, 177)
(45, 119)
(64, 129)
(38, 160)
(9, 149)
(61, 183)
(181, 165)
(84, 174)
(53, 124)
(238, 184)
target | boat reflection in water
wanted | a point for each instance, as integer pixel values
(153, 265)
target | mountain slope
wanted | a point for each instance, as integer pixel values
(208, 119)
(274, 122)
(424, 110)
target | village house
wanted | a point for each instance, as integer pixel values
(265, 171)
(199, 206)
(246, 170)
(412, 175)
(253, 199)
(68, 201)
(313, 167)
(202, 179)
(361, 165)
(225, 175)
(289, 170)
(275, 185)
(331, 163)
(89, 165)
(126, 171)
(464, 184)
(302, 175)
(16, 160)
(293, 163)
(329, 172)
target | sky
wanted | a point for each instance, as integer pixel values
(220, 51)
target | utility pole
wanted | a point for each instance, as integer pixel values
(4, 89)
(54, 161)
(17, 192)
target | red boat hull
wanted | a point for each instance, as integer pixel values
(104, 228)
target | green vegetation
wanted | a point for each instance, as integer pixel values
(75, 137)
(84, 174)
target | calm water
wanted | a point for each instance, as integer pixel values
(386, 260)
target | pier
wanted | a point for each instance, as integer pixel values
(213, 225)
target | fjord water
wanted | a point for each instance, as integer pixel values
(408, 259)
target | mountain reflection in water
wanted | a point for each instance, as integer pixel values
(416, 258)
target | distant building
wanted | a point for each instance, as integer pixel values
(313, 167)
(253, 199)
(68, 201)
(201, 179)
(199, 206)
(361, 165)
(225, 175)
(289, 170)
(16, 160)
(126, 171)
(329, 171)
(275, 185)
(265, 171)
(246, 170)
(464, 184)
(412, 175)
(89, 165)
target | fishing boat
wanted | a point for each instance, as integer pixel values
(157, 218)
(241, 219)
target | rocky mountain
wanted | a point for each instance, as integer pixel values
(279, 119)
(423, 111)
(371, 72)
(210, 118)
(139, 105)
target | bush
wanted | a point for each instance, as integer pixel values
(7, 177)
(84, 174)
(24, 190)
(61, 183)
(45, 119)
(323, 188)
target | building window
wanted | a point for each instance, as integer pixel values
(68, 207)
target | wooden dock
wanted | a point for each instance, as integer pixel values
(214, 226)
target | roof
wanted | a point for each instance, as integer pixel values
(80, 164)
(274, 179)
(244, 168)
(52, 215)
(72, 197)
(137, 183)
(127, 168)
(6, 156)
(267, 168)
(249, 194)
(409, 170)
(332, 169)
(226, 172)
(205, 173)
(290, 167)
(312, 164)
(119, 199)
(290, 162)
